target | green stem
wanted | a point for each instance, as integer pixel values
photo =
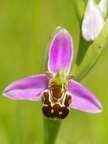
(51, 128)
(82, 49)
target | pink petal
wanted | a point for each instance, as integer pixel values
(61, 52)
(83, 99)
(28, 88)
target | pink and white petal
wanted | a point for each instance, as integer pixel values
(61, 52)
(27, 88)
(83, 99)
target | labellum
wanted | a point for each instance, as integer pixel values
(56, 99)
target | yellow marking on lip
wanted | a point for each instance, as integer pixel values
(60, 113)
(45, 105)
(52, 110)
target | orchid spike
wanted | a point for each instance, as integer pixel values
(56, 89)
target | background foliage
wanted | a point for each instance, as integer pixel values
(25, 27)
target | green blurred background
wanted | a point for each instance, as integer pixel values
(25, 27)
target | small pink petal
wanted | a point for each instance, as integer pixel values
(61, 52)
(83, 99)
(27, 88)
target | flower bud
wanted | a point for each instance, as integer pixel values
(93, 21)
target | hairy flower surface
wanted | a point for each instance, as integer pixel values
(56, 88)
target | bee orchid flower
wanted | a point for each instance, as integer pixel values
(56, 89)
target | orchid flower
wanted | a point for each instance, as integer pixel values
(56, 88)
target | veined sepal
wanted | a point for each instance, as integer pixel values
(45, 58)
